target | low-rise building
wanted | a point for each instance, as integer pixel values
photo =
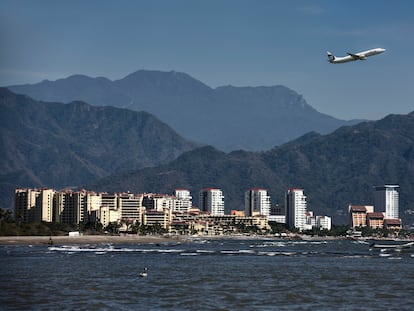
(375, 220)
(155, 217)
(324, 222)
(357, 215)
(393, 224)
(320, 222)
(277, 214)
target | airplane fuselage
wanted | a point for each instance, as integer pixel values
(353, 57)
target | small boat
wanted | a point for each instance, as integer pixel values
(144, 273)
(397, 246)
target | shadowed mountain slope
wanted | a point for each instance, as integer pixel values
(59, 145)
(335, 170)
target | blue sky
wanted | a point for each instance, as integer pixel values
(227, 42)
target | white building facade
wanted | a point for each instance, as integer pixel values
(296, 207)
(33, 205)
(386, 199)
(256, 202)
(184, 200)
(211, 200)
(130, 207)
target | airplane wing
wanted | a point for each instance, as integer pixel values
(356, 56)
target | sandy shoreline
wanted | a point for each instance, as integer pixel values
(139, 239)
(85, 239)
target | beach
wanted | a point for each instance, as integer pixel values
(140, 239)
(83, 239)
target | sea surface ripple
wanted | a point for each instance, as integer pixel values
(202, 274)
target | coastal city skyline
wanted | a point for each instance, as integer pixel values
(84, 206)
(206, 155)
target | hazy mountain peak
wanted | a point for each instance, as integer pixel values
(228, 117)
(160, 81)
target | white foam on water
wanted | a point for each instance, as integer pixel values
(205, 251)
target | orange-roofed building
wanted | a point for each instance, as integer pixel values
(375, 220)
(357, 215)
(393, 224)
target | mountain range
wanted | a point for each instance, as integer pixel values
(62, 145)
(228, 118)
(112, 149)
(335, 170)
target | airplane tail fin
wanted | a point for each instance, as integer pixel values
(330, 56)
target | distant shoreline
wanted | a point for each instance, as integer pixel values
(150, 239)
(126, 239)
(84, 239)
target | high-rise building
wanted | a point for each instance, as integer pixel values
(212, 201)
(130, 207)
(256, 202)
(69, 207)
(24, 201)
(33, 205)
(44, 206)
(109, 200)
(184, 200)
(386, 199)
(93, 202)
(296, 208)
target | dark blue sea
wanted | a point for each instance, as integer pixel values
(217, 274)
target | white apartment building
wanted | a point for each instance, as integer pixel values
(320, 222)
(386, 199)
(163, 218)
(324, 222)
(211, 200)
(130, 206)
(93, 203)
(44, 207)
(105, 216)
(184, 201)
(256, 202)
(159, 202)
(296, 206)
(181, 201)
(34, 205)
(109, 200)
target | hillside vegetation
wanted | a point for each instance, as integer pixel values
(335, 170)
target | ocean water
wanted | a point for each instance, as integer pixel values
(217, 274)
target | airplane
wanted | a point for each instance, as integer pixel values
(352, 57)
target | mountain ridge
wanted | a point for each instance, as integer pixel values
(335, 169)
(227, 117)
(47, 144)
